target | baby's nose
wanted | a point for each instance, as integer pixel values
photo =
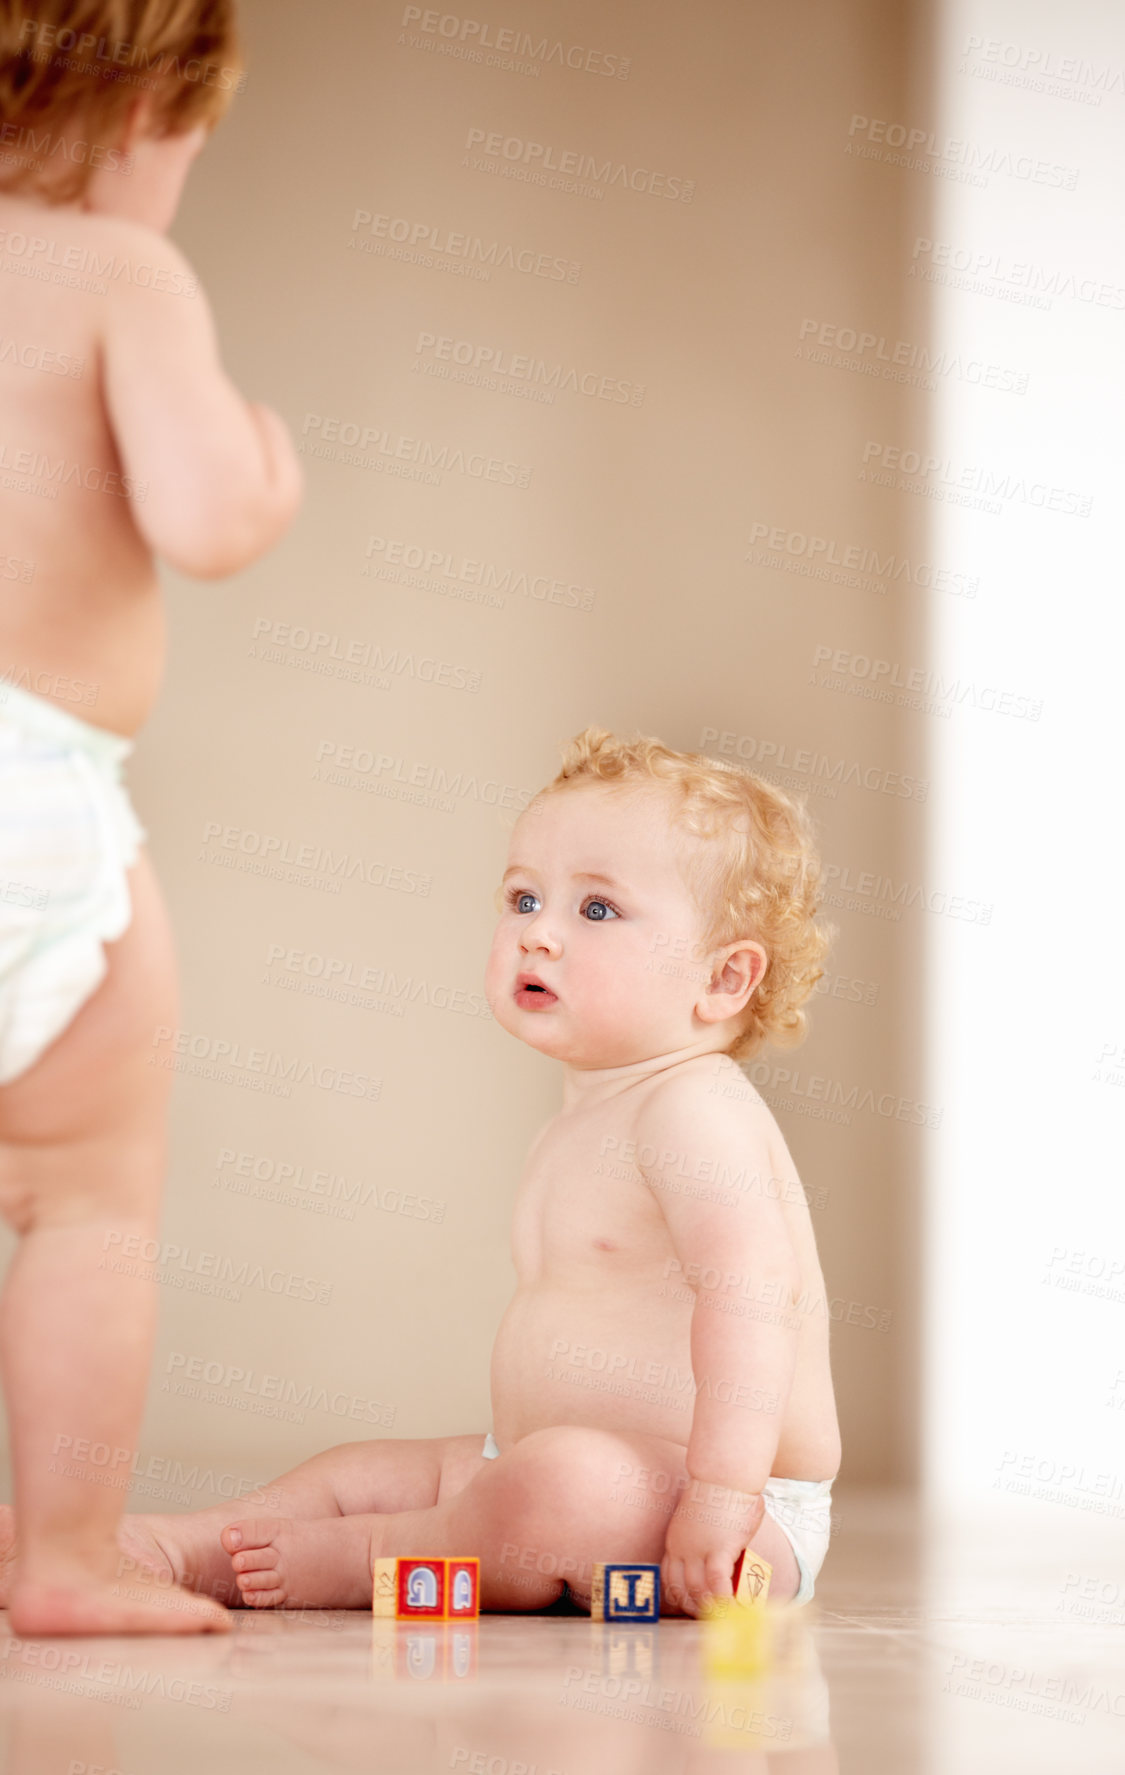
(537, 935)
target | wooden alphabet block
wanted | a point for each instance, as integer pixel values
(412, 1589)
(625, 1593)
(751, 1579)
(462, 1589)
(409, 1588)
(738, 1630)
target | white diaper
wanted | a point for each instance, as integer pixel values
(802, 1510)
(68, 833)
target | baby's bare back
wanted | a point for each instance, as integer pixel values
(85, 629)
(121, 438)
(599, 1329)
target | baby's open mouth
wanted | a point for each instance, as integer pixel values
(532, 995)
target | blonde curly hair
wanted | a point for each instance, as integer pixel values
(758, 877)
(86, 61)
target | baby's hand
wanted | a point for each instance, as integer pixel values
(284, 465)
(708, 1530)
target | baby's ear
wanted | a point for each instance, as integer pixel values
(739, 969)
(138, 119)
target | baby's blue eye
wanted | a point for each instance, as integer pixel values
(598, 909)
(525, 902)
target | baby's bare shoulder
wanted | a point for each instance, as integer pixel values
(140, 261)
(714, 1159)
(709, 1084)
(85, 240)
(707, 1105)
(92, 274)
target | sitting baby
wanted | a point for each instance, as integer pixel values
(661, 1388)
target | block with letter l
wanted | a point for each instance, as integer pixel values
(625, 1593)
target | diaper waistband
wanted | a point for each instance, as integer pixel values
(48, 720)
(807, 1490)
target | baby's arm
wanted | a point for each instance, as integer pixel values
(220, 478)
(744, 1326)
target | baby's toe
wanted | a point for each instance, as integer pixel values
(253, 1531)
(251, 1582)
(255, 1559)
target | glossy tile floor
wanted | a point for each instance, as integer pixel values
(990, 1649)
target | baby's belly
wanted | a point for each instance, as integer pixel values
(609, 1362)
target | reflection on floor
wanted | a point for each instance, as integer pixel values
(931, 1651)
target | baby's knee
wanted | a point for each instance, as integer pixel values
(577, 1468)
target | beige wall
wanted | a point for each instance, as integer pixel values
(649, 506)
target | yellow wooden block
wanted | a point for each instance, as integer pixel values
(737, 1641)
(737, 1636)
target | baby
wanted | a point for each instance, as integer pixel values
(122, 439)
(660, 1380)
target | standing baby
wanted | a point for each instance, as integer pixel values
(123, 439)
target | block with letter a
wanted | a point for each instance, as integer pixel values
(440, 1589)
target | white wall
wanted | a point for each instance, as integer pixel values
(1025, 1238)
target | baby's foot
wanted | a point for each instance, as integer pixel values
(158, 1555)
(322, 1563)
(140, 1595)
(181, 1550)
(78, 1602)
(143, 1556)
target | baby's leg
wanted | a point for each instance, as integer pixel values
(329, 1565)
(395, 1473)
(538, 1518)
(82, 1157)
